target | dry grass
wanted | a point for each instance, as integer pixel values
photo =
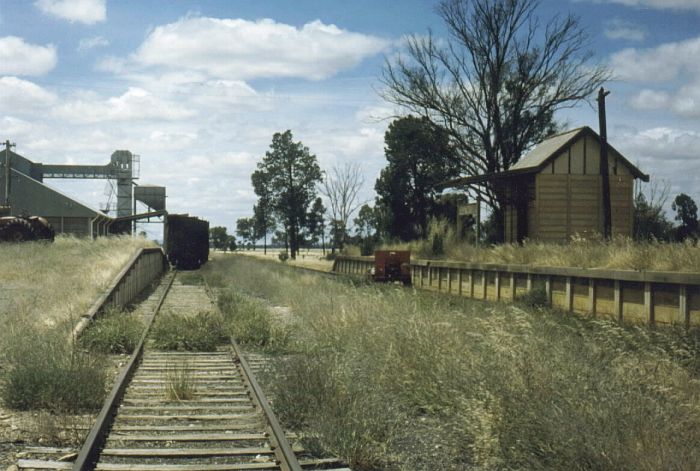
(312, 258)
(179, 382)
(44, 288)
(621, 253)
(390, 378)
(57, 282)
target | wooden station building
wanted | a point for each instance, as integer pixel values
(555, 191)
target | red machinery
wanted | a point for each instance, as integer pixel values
(392, 265)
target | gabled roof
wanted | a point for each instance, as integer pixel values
(540, 156)
(547, 149)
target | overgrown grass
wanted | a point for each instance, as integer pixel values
(250, 322)
(202, 332)
(113, 332)
(42, 370)
(621, 253)
(190, 278)
(390, 378)
(58, 282)
(179, 382)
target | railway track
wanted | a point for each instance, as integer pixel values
(224, 423)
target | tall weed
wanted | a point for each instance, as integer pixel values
(114, 332)
(622, 253)
(202, 332)
(251, 323)
(43, 371)
(506, 387)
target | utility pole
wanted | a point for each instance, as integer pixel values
(604, 168)
(8, 171)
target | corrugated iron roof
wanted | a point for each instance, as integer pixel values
(546, 149)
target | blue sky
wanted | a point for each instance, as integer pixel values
(198, 88)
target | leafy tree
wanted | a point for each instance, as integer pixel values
(341, 186)
(263, 210)
(291, 173)
(496, 83)
(419, 157)
(367, 228)
(337, 233)
(231, 243)
(245, 230)
(687, 214)
(218, 237)
(315, 224)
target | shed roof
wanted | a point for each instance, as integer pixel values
(540, 156)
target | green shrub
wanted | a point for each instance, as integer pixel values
(44, 371)
(114, 332)
(189, 278)
(536, 297)
(202, 332)
(250, 322)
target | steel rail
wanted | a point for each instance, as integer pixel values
(95, 440)
(284, 453)
(282, 448)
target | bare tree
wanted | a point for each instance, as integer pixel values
(341, 186)
(496, 83)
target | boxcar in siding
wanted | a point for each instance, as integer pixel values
(186, 241)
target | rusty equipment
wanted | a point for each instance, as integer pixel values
(392, 265)
(24, 229)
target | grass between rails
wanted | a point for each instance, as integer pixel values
(201, 332)
(390, 378)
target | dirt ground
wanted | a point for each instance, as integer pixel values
(313, 258)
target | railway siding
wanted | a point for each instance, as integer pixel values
(633, 297)
(220, 421)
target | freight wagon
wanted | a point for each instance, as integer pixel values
(186, 241)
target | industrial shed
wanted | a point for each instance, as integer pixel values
(555, 191)
(22, 188)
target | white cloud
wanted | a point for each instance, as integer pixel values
(661, 152)
(658, 64)
(658, 146)
(20, 58)
(86, 44)
(237, 49)
(650, 100)
(674, 63)
(22, 96)
(622, 29)
(81, 11)
(658, 4)
(134, 104)
(685, 102)
(15, 128)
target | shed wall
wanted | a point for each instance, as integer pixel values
(571, 204)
